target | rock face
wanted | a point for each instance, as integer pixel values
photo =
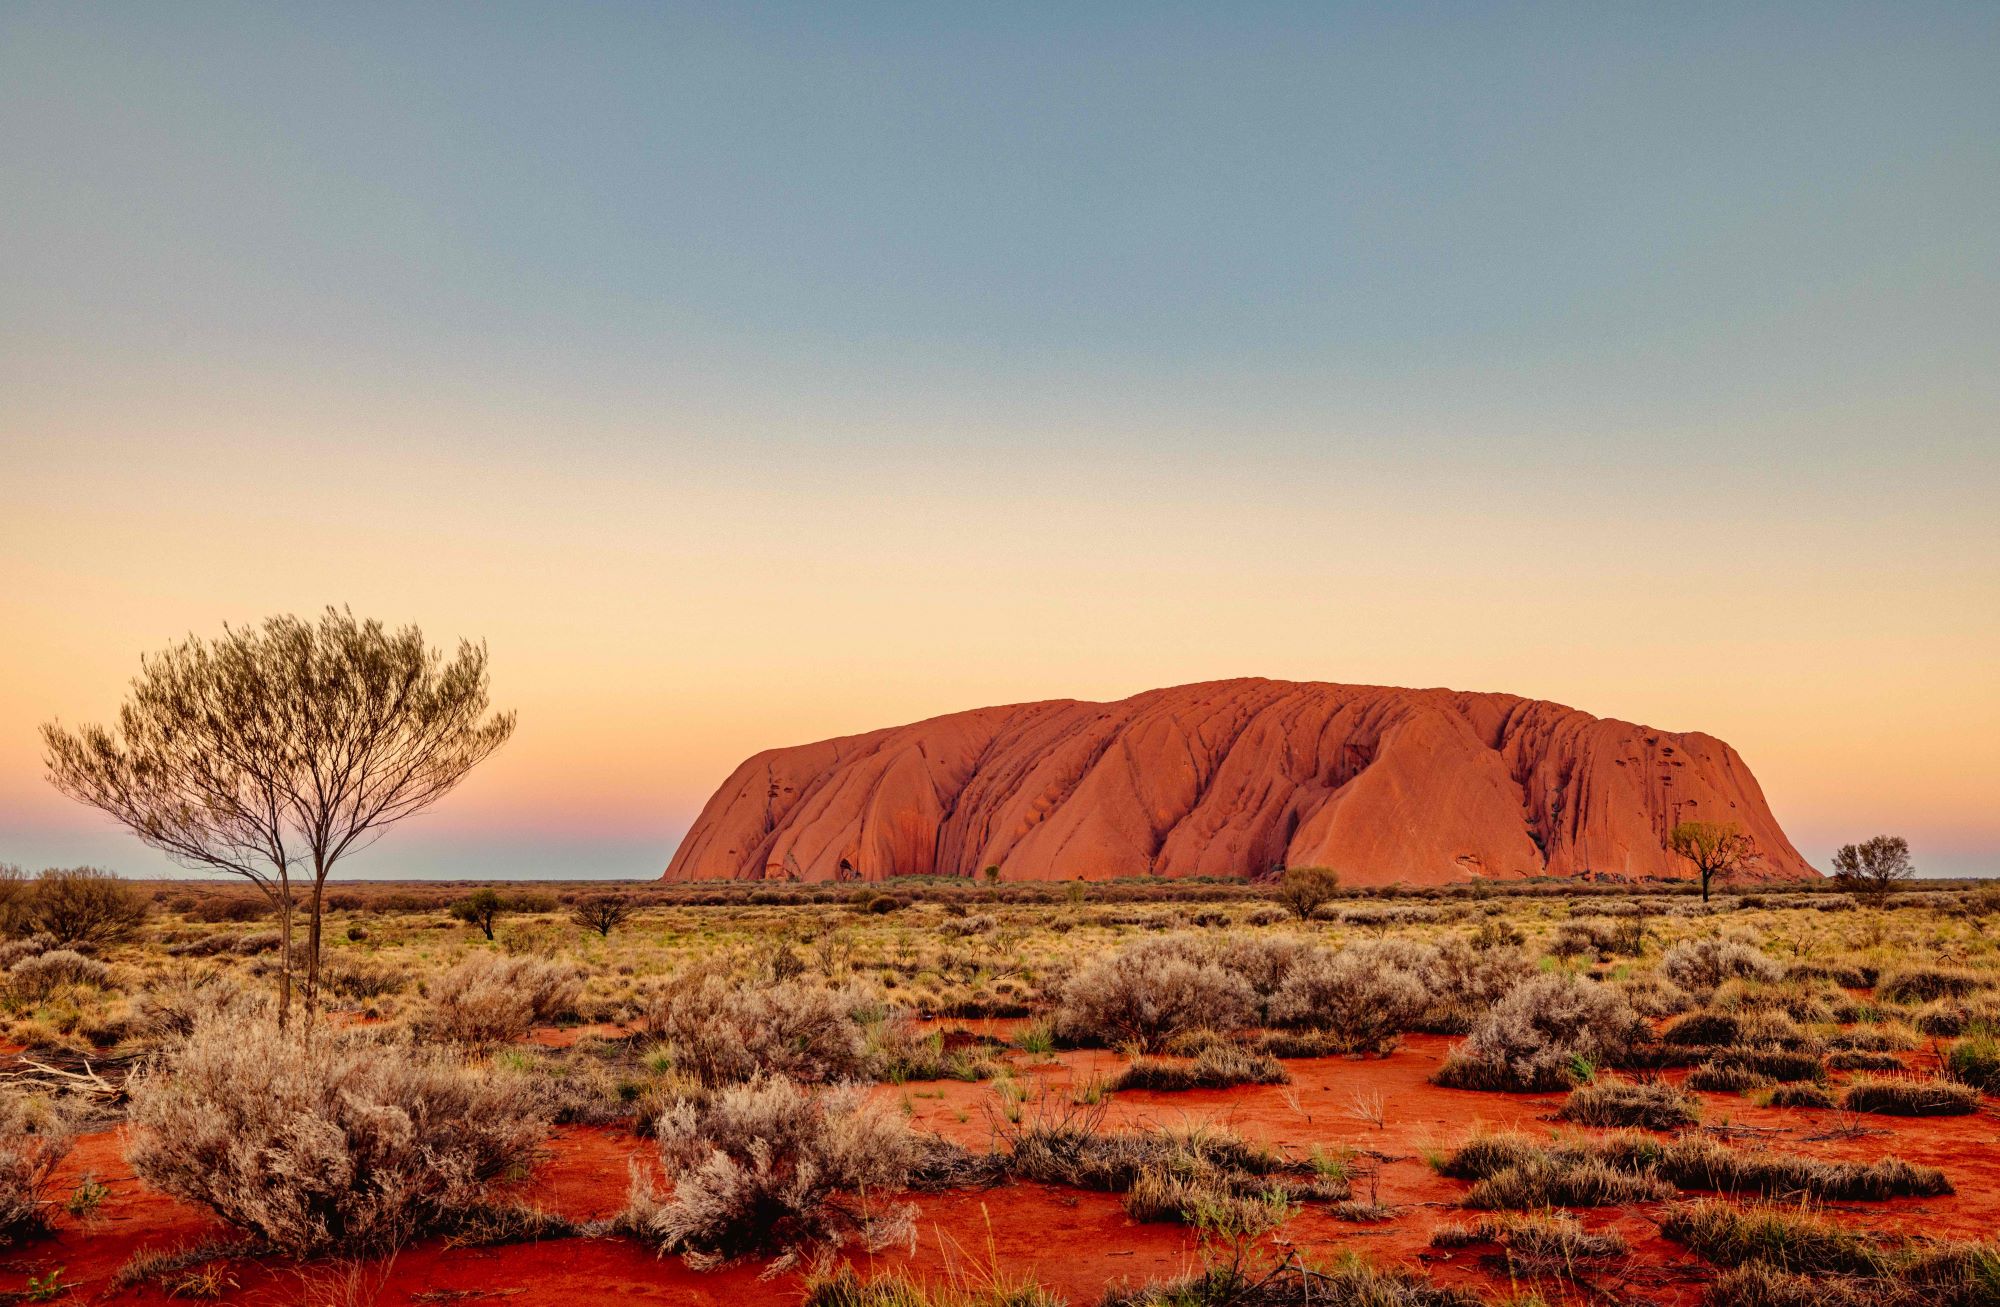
(1235, 778)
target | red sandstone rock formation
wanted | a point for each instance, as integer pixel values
(1234, 778)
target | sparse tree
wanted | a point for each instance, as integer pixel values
(481, 908)
(1872, 869)
(273, 752)
(1715, 848)
(602, 913)
(84, 905)
(1305, 890)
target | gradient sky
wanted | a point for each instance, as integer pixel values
(750, 374)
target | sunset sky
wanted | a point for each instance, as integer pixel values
(749, 374)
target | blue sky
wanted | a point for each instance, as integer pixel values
(1397, 306)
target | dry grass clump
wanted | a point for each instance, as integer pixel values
(1197, 1175)
(492, 998)
(1218, 1065)
(901, 1051)
(1150, 990)
(1537, 1247)
(771, 1167)
(36, 977)
(340, 1144)
(1783, 1257)
(1910, 1096)
(35, 1135)
(1701, 966)
(1646, 1104)
(722, 1031)
(1928, 984)
(1545, 1034)
(1517, 1171)
(1348, 1282)
(838, 1284)
(1799, 1095)
(1950, 1017)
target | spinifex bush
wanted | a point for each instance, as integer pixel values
(1910, 1096)
(1700, 966)
(37, 977)
(1648, 1104)
(491, 998)
(340, 1144)
(1926, 984)
(35, 1136)
(770, 1167)
(722, 1031)
(1218, 1065)
(1538, 1036)
(1150, 990)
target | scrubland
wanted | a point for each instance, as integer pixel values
(965, 1094)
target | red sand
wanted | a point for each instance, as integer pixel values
(1074, 1242)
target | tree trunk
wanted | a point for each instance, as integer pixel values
(285, 954)
(312, 948)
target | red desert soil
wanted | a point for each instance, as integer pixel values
(1074, 1242)
(1232, 778)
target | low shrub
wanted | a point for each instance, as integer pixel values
(35, 1135)
(1700, 966)
(341, 1144)
(768, 1167)
(1646, 1104)
(1151, 990)
(1543, 1035)
(720, 1031)
(35, 978)
(1910, 1096)
(1364, 996)
(493, 998)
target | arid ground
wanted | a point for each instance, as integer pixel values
(1143, 1091)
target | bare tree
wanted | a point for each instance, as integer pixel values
(1872, 869)
(1716, 848)
(284, 748)
(1305, 890)
(602, 913)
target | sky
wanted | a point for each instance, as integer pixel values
(749, 374)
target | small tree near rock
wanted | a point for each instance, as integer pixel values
(602, 913)
(1872, 869)
(1715, 848)
(1305, 890)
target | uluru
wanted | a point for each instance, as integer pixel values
(1236, 778)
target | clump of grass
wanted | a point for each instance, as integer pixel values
(1647, 1104)
(1927, 984)
(1536, 1247)
(1862, 1059)
(1218, 1066)
(1516, 1171)
(1975, 1060)
(1910, 1096)
(838, 1284)
(1799, 1095)
(1719, 1077)
(1349, 1282)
